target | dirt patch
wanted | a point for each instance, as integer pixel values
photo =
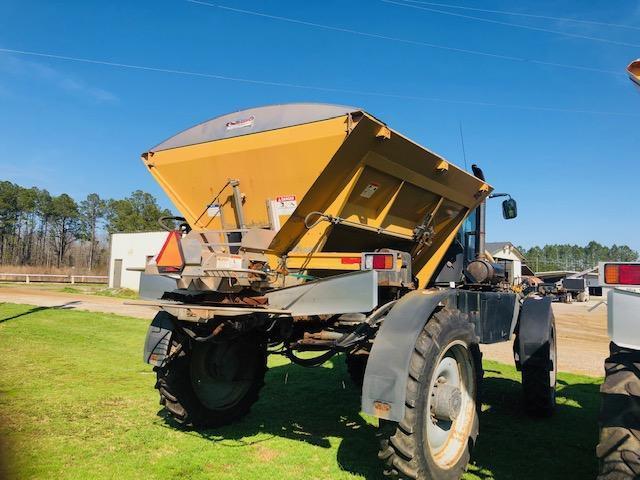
(41, 297)
(265, 454)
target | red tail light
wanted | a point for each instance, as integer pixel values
(622, 274)
(170, 258)
(378, 261)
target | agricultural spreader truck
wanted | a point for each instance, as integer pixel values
(312, 231)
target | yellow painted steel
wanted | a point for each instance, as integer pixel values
(322, 261)
(269, 164)
(352, 167)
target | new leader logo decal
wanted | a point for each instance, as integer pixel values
(240, 123)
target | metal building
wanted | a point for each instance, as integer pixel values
(507, 253)
(130, 251)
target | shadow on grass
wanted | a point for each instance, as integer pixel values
(316, 405)
(64, 306)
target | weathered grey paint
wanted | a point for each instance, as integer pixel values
(352, 292)
(253, 120)
(152, 287)
(623, 307)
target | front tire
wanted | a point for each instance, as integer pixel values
(212, 384)
(440, 424)
(619, 448)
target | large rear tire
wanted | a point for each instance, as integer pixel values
(212, 384)
(619, 448)
(440, 424)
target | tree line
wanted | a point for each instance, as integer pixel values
(574, 257)
(45, 230)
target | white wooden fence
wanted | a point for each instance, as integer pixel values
(54, 278)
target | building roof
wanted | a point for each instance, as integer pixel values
(495, 247)
(565, 273)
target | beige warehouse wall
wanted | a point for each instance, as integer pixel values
(515, 273)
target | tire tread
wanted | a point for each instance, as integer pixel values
(399, 442)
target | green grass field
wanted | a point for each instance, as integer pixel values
(76, 402)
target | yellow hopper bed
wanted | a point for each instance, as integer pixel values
(317, 227)
(308, 188)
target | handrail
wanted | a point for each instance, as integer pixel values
(72, 278)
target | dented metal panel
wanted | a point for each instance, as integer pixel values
(348, 293)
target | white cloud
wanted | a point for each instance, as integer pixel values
(61, 80)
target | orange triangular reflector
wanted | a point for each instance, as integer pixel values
(170, 258)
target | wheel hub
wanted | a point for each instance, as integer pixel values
(450, 406)
(221, 374)
(446, 401)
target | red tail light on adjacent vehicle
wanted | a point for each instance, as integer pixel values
(622, 274)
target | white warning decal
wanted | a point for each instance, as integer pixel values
(213, 210)
(240, 123)
(370, 190)
(232, 262)
(285, 204)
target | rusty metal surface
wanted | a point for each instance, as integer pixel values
(200, 313)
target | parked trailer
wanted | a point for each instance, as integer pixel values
(566, 290)
(318, 228)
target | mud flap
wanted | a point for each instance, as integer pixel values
(158, 341)
(534, 327)
(385, 380)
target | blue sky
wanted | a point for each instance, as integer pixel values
(563, 141)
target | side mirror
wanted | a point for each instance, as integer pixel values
(509, 209)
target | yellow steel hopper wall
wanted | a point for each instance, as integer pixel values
(331, 166)
(268, 164)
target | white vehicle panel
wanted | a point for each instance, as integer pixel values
(623, 318)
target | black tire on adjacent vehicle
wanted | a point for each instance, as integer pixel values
(431, 441)
(356, 366)
(619, 448)
(212, 384)
(539, 375)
